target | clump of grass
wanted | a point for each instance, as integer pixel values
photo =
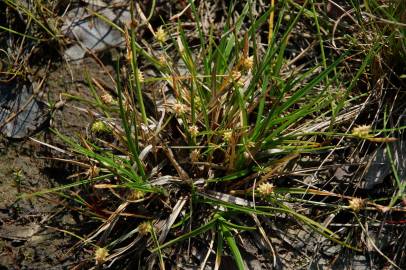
(199, 146)
(27, 28)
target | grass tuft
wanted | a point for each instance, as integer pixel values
(217, 134)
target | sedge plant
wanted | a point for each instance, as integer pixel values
(192, 152)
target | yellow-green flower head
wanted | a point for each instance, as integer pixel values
(136, 195)
(251, 144)
(195, 155)
(235, 75)
(162, 60)
(93, 171)
(265, 189)
(100, 127)
(198, 102)
(356, 204)
(247, 63)
(161, 35)
(362, 131)
(100, 255)
(140, 76)
(179, 108)
(108, 99)
(144, 228)
(227, 135)
(193, 130)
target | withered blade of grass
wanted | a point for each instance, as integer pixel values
(181, 172)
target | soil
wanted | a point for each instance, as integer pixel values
(30, 227)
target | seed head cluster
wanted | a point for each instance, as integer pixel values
(99, 127)
(144, 228)
(356, 204)
(228, 135)
(362, 131)
(136, 195)
(235, 75)
(161, 35)
(195, 155)
(179, 108)
(140, 76)
(194, 130)
(93, 171)
(108, 99)
(265, 189)
(248, 63)
(100, 255)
